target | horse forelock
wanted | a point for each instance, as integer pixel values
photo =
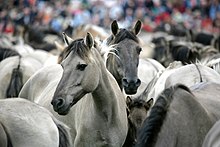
(138, 103)
(78, 47)
(153, 123)
(122, 35)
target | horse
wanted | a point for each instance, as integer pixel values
(123, 62)
(100, 106)
(137, 112)
(15, 71)
(24, 123)
(181, 116)
(192, 73)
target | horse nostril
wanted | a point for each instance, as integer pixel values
(138, 82)
(125, 82)
(59, 103)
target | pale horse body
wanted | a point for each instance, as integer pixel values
(98, 117)
(181, 116)
(188, 75)
(26, 124)
(28, 66)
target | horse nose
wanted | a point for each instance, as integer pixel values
(58, 103)
(131, 83)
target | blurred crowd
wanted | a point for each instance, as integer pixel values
(200, 15)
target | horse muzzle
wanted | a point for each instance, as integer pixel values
(60, 106)
(131, 86)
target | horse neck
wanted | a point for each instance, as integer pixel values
(106, 94)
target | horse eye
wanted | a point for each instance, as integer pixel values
(139, 49)
(81, 66)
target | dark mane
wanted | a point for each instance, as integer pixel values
(5, 53)
(77, 47)
(152, 125)
(121, 35)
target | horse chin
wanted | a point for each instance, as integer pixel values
(130, 91)
(64, 111)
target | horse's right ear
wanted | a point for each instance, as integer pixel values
(114, 27)
(67, 39)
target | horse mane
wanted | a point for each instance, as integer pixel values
(16, 82)
(121, 35)
(6, 52)
(77, 47)
(64, 134)
(152, 124)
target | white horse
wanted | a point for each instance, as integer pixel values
(26, 124)
(188, 75)
(97, 113)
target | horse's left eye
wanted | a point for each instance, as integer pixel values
(81, 66)
(139, 49)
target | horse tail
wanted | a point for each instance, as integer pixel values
(65, 139)
(16, 82)
(5, 139)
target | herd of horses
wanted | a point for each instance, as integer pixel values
(99, 88)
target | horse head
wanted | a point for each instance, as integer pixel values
(123, 63)
(80, 74)
(137, 113)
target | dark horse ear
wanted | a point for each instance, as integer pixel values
(67, 39)
(89, 40)
(137, 27)
(148, 104)
(114, 27)
(128, 100)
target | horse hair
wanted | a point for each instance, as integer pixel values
(77, 47)
(137, 102)
(152, 124)
(16, 82)
(121, 35)
(6, 52)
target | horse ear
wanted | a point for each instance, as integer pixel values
(137, 27)
(128, 100)
(149, 103)
(67, 39)
(114, 27)
(89, 40)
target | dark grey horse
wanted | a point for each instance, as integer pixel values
(123, 64)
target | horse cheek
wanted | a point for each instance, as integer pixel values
(91, 79)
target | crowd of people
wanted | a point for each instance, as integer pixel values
(200, 15)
